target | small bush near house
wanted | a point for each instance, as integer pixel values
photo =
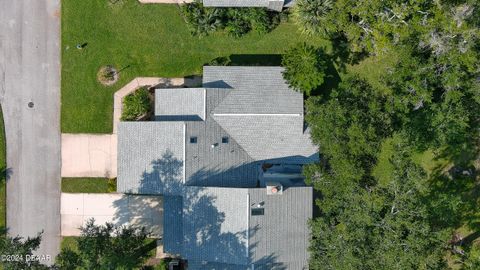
(112, 185)
(136, 105)
(220, 61)
(235, 21)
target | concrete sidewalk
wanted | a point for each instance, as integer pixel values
(89, 155)
(119, 209)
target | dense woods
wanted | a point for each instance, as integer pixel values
(397, 184)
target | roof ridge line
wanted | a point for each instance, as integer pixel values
(233, 138)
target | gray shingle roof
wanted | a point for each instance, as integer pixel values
(263, 121)
(172, 224)
(225, 165)
(180, 104)
(257, 90)
(219, 231)
(150, 157)
(268, 137)
(271, 4)
(215, 225)
(281, 236)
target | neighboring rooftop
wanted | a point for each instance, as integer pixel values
(271, 4)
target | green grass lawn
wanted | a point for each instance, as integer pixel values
(3, 166)
(145, 40)
(88, 185)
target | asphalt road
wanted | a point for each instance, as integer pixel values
(30, 72)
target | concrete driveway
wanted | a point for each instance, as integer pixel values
(120, 209)
(30, 72)
(89, 155)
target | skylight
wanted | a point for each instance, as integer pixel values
(258, 211)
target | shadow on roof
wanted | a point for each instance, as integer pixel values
(193, 225)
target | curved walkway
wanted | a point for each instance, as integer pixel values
(95, 155)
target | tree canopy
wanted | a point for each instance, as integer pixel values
(426, 100)
(106, 247)
(305, 67)
(17, 252)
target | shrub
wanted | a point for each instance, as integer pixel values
(305, 67)
(220, 61)
(236, 21)
(201, 20)
(136, 105)
(263, 20)
(112, 185)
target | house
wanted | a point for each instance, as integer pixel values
(276, 5)
(227, 158)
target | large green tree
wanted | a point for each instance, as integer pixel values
(385, 225)
(16, 252)
(349, 125)
(429, 95)
(106, 247)
(305, 67)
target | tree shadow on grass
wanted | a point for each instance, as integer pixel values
(5, 174)
(248, 60)
(331, 80)
(342, 53)
(454, 199)
(256, 59)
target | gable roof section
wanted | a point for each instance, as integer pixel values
(215, 224)
(224, 165)
(279, 239)
(271, 137)
(257, 90)
(180, 104)
(219, 232)
(149, 162)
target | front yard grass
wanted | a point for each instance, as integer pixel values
(142, 40)
(88, 185)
